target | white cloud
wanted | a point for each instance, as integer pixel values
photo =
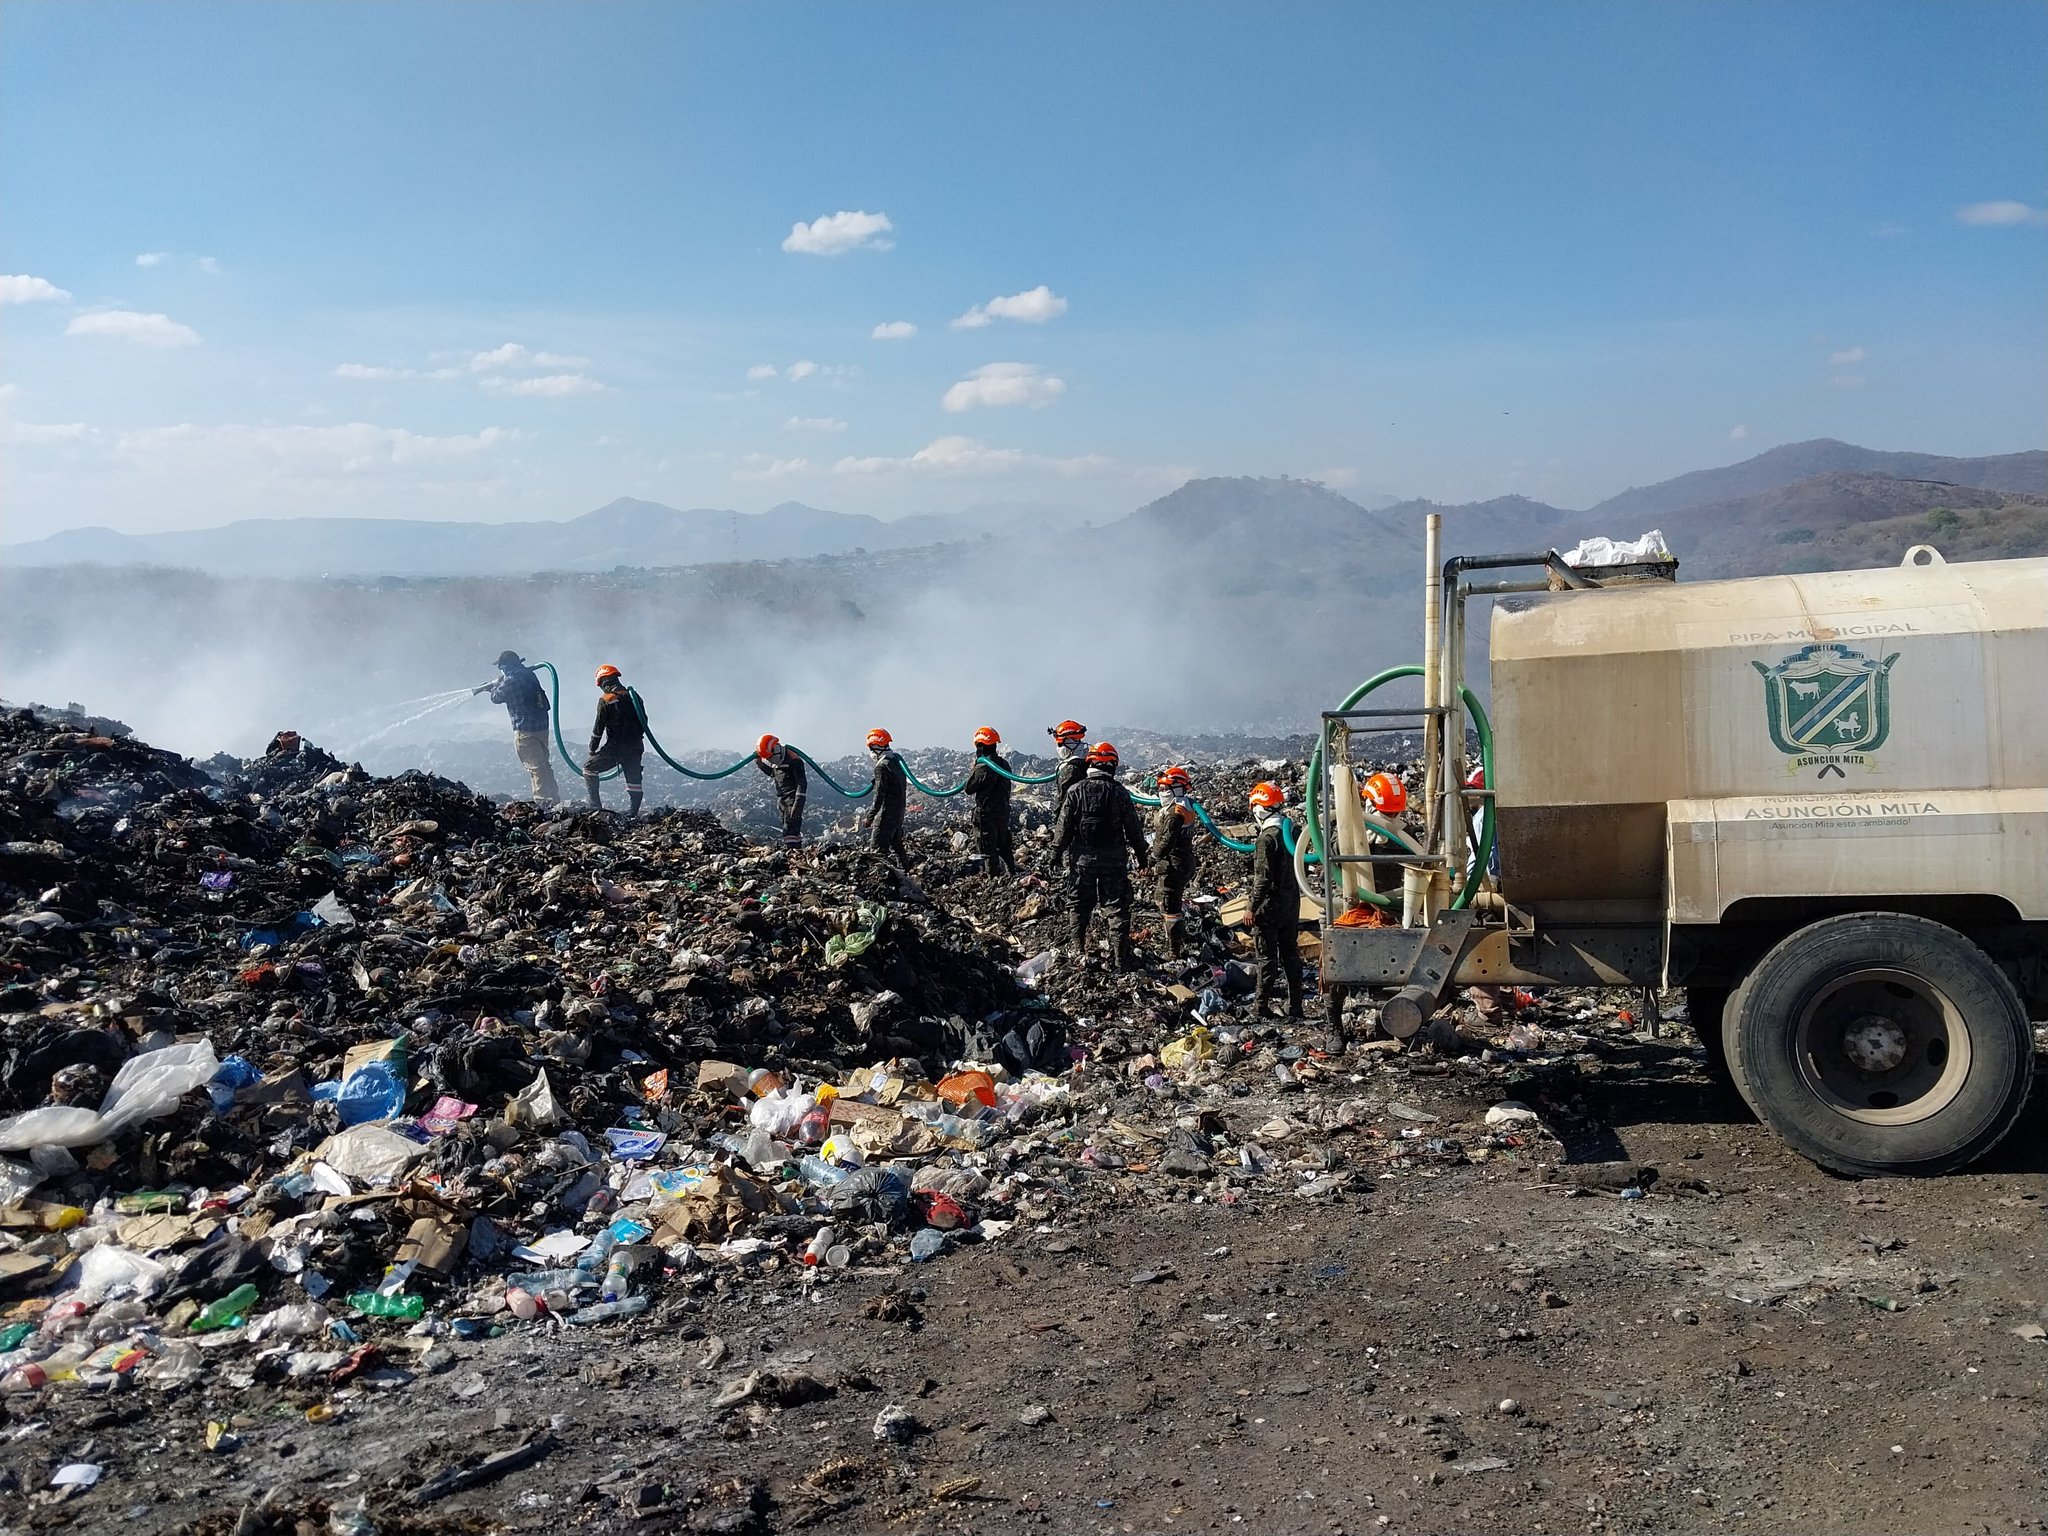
(38, 432)
(1034, 306)
(510, 355)
(133, 325)
(1846, 358)
(334, 455)
(814, 424)
(1337, 479)
(550, 385)
(22, 289)
(966, 456)
(1739, 433)
(152, 258)
(1004, 384)
(209, 264)
(2001, 213)
(836, 233)
(801, 370)
(371, 371)
(761, 466)
(762, 371)
(893, 330)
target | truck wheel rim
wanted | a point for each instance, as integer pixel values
(1883, 1047)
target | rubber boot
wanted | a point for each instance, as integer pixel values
(590, 788)
(632, 804)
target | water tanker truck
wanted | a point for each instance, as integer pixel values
(1818, 803)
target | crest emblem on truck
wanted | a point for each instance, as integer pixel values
(1827, 706)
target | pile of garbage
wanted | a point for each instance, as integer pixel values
(311, 1076)
(291, 1050)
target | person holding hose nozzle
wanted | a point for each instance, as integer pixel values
(786, 771)
(1098, 822)
(527, 703)
(1276, 904)
(884, 818)
(1173, 853)
(990, 792)
(617, 740)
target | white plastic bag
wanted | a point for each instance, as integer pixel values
(1598, 551)
(535, 1106)
(370, 1154)
(146, 1087)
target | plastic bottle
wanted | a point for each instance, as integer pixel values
(617, 1286)
(228, 1312)
(302, 1319)
(817, 1171)
(540, 1280)
(820, 1245)
(521, 1304)
(377, 1304)
(604, 1311)
(590, 1263)
(24, 1378)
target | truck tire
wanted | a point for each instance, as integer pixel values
(1881, 1044)
(1707, 1007)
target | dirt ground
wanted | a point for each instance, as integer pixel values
(1753, 1346)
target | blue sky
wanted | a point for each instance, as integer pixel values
(510, 261)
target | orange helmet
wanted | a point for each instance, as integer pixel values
(1102, 755)
(878, 738)
(1270, 796)
(765, 747)
(607, 673)
(988, 736)
(1385, 794)
(1476, 779)
(1067, 730)
(1175, 778)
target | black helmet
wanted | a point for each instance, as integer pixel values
(508, 658)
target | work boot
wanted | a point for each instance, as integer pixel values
(591, 790)
(632, 804)
(1126, 956)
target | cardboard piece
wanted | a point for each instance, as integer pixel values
(435, 1243)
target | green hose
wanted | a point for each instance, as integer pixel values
(819, 769)
(936, 794)
(555, 719)
(1022, 778)
(1483, 854)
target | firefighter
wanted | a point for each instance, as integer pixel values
(1070, 746)
(527, 703)
(1173, 853)
(1098, 823)
(618, 739)
(1276, 904)
(990, 791)
(786, 771)
(884, 818)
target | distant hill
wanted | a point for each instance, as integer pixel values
(1846, 519)
(624, 532)
(1793, 462)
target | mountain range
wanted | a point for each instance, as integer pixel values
(1242, 516)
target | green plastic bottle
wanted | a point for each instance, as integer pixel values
(228, 1312)
(376, 1304)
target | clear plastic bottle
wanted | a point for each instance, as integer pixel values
(604, 1311)
(617, 1284)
